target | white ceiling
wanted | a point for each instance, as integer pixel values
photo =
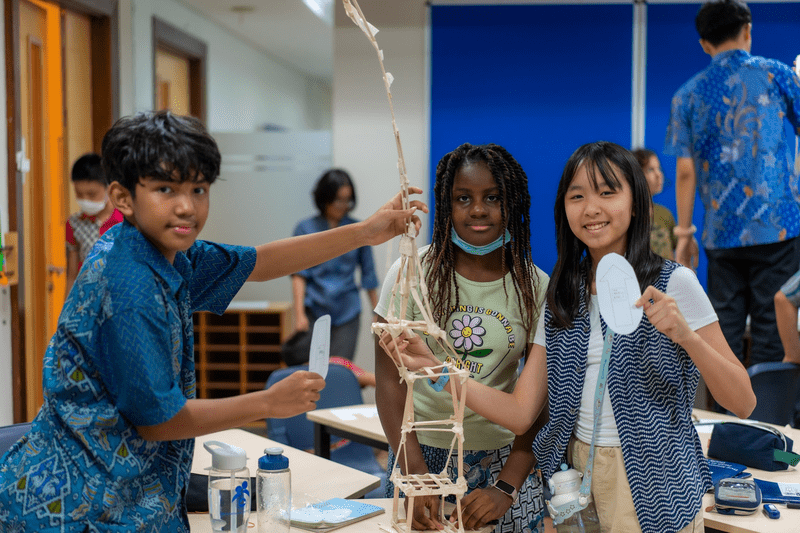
(289, 31)
(285, 29)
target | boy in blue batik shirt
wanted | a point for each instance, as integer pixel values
(111, 448)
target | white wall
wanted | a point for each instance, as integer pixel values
(245, 87)
(6, 398)
(363, 141)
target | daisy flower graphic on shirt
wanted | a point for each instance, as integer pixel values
(468, 334)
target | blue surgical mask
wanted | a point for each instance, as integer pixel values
(478, 250)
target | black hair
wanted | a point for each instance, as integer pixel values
(719, 21)
(609, 162)
(643, 156)
(89, 167)
(328, 186)
(512, 183)
(159, 145)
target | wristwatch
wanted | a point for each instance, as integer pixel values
(507, 489)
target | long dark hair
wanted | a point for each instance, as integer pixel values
(609, 162)
(512, 183)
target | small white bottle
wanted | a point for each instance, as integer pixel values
(228, 487)
(274, 492)
(565, 489)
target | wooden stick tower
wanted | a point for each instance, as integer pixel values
(410, 287)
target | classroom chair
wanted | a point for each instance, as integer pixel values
(777, 388)
(11, 434)
(341, 389)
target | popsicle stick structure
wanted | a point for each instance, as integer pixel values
(409, 287)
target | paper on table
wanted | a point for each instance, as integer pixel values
(350, 413)
(617, 291)
(320, 346)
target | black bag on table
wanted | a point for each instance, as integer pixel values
(753, 444)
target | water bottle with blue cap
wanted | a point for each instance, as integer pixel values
(228, 487)
(274, 492)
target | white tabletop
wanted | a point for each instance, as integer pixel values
(313, 478)
(361, 420)
(200, 523)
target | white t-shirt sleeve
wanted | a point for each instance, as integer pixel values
(382, 309)
(691, 299)
(540, 335)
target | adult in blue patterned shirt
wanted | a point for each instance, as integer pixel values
(111, 448)
(727, 131)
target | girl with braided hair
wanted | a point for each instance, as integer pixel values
(487, 294)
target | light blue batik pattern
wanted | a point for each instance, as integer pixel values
(730, 119)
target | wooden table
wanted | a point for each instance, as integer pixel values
(757, 522)
(313, 478)
(200, 523)
(359, 423)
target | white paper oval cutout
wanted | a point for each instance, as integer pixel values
(617, 291)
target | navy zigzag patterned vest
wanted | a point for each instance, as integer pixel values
(652, 383)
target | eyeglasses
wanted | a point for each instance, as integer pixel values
(343, 202)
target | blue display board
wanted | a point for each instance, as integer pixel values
(674, 55)
(539, 80)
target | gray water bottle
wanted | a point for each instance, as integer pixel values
(273, 492)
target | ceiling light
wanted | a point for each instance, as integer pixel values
(322, 9)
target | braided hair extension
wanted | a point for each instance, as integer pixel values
(512, 183)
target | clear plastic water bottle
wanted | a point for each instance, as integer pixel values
(274, 492)
(228, 487)
(565, 489)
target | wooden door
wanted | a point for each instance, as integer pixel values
(41, 124)
(172, 82)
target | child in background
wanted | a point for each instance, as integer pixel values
(649, 471)
(662, 239)
(111, 448)
(787, 300)
(96, 216)
(487, 294)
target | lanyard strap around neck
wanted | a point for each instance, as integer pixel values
(599, 393)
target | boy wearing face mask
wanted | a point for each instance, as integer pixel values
(96, 216)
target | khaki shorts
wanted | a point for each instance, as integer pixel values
(611, 491)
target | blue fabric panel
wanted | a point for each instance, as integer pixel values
(539, 80)
(674, 55)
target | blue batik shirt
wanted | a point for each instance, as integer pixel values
(729, 119)
(122, 356)
(331, 286)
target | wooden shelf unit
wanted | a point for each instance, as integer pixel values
(235, 352)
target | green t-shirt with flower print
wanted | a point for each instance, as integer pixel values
(487, 334)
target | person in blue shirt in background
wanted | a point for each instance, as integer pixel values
(727, 131)
(330, 288)
(111, 448)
